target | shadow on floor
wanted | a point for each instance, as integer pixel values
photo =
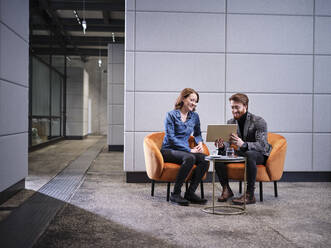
(37, 220)
(76, 227)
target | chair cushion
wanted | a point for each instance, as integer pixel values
(170, 171)
(236, 172)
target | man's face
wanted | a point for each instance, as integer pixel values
(238, 109)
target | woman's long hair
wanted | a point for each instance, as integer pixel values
(184, 94)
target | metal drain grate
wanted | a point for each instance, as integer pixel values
(24, 225)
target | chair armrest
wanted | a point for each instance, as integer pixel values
(192, 144)
(205, 149)
(153, 159)
(276, 160)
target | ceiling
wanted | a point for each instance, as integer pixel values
(54, 27)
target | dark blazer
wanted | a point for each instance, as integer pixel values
(255, 134)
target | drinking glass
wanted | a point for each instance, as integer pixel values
(229, 152)
(215, 152)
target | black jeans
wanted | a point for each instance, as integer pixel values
(186, 160)
(253, 158)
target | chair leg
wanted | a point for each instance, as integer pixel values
(240, 187)
(275, 188)
(201, 190)
(168, 191)
(153, 184)
(186, 186)
(261, 192)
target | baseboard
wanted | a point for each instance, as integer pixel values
(302, 176)
(141, 177)
(12, 190)
(76, 137)
(44, 144)
(116, 148)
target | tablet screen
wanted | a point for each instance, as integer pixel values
(220, 131)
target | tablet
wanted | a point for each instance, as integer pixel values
(220, 131)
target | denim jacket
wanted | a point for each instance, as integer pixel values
(177, 132)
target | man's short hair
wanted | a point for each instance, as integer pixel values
(239, 97)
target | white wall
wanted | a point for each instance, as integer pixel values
(98, 94)
(115, 94)
(77, 101)
(277, 52)
(14, 91)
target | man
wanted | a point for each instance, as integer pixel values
(251, 142)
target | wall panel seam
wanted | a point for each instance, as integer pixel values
(221, 12)
(323, 15)
(134, 86)
(221, 92)
(229, 53)
(313, 89)
(225, 56)
(180, 12)
(271, 131)
(271, 14)
(169, 51)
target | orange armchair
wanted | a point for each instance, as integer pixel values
(157, 169)
(272, 171)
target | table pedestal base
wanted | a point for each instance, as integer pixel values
(221, 210)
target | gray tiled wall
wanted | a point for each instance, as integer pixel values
(277, 52)
(115, 94)
(14, 91)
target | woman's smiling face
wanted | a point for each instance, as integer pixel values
(190, 102)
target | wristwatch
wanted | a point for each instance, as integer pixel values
(244, 147)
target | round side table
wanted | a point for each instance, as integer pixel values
(225, 209)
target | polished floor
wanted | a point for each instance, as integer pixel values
(104, 211)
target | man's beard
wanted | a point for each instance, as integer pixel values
(240, 114)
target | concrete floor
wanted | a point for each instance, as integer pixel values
(107, 212)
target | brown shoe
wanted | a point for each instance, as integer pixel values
(250, 199)
(226, 194)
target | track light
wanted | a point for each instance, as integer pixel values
(99, 61)
(84, 25)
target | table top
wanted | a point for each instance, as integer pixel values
(225, 158)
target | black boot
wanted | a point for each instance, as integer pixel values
(178, 199)
(193, 198)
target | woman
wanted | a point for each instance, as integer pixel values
(180, 123)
